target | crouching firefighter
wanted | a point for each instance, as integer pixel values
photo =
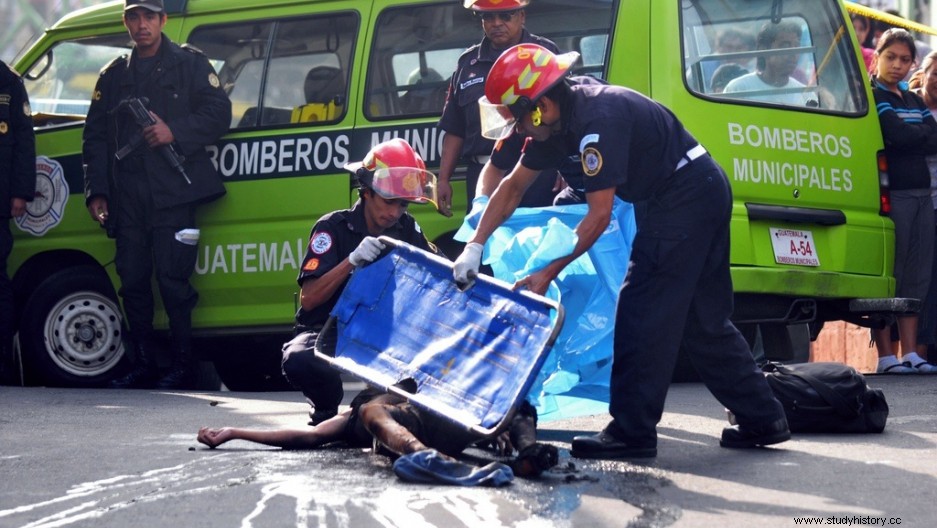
(391, 177)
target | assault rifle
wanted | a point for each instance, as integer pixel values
(137, 108)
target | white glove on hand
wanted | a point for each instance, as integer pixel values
(466, 266)
(366, 252)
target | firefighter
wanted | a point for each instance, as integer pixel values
(678, 291)
(391, 177)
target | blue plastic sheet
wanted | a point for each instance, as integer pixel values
(574, 379)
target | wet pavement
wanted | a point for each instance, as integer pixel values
(129, 459)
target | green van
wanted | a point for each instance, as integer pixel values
(315, 83)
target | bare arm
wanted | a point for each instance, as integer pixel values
(490, 177)
(327, 431)
(589, 229)
(504, 201)
(451, 151)
(316, 291)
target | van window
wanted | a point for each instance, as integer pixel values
(62, 80)
(795, 53)
(416, 48)
(283, 72)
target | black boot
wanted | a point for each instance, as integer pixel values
(182, 374)
(143, 375)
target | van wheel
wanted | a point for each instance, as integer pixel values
(71, 329)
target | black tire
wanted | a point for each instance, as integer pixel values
(71, 330)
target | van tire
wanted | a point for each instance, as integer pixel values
(71, 330)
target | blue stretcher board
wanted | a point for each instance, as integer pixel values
(473, 352)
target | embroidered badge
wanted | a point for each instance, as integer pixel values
(311, 265)
(320, 243)
(213, 80)
(3, 127)
(97, 95)
(591, 161)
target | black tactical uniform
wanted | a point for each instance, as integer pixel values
(17, 180)
(151, 206)
(331, 241)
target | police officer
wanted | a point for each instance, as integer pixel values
(391, 176)
(146, 203)
(678, 292)
(17, 186)
(503, 24)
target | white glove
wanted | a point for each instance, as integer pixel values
(366, 252)
(466, 266)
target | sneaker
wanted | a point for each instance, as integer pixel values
(924, 367)
(897, 368)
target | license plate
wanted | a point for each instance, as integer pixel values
(794, 246)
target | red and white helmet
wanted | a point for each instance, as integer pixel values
(495, 5)
(395, 171)
(520, 76)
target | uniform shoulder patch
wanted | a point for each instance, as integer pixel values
(591, 161)
(320, 243)
(114, 63)
(192, 49)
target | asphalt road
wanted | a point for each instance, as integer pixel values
(127, 459)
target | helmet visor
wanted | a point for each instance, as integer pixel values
(496, 119)
(405, 183)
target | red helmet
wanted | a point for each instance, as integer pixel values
(395, 171)
(520, 76)
(495, 5)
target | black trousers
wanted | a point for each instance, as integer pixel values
(6, 287)
(319, 382)
(678, 293)
(147, 244)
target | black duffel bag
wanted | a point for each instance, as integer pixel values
(827, 398)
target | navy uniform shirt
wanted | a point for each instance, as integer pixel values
(17, 142)
(467, 85)
(333, 238)
(624, 139)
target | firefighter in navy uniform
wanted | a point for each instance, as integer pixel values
(503, 24)
(145, 203)
(17, 186)
(678, 291)
(391, 177)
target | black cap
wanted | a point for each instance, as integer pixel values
(153, 5)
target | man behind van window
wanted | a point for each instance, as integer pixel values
(775, 71)
(17, 186)
(503, 24)
(146, 203)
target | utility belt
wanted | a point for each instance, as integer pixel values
(690, 155)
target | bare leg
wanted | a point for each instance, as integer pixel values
(380, 418)
(327, 431)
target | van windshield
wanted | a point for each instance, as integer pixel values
(792, 53)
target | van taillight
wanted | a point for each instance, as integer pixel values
(884, 206)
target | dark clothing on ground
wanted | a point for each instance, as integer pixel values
(460, 117)
(151, 207)
(678, 292)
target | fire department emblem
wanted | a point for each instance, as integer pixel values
(48, 205)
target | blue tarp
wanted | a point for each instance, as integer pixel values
(575, 377)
